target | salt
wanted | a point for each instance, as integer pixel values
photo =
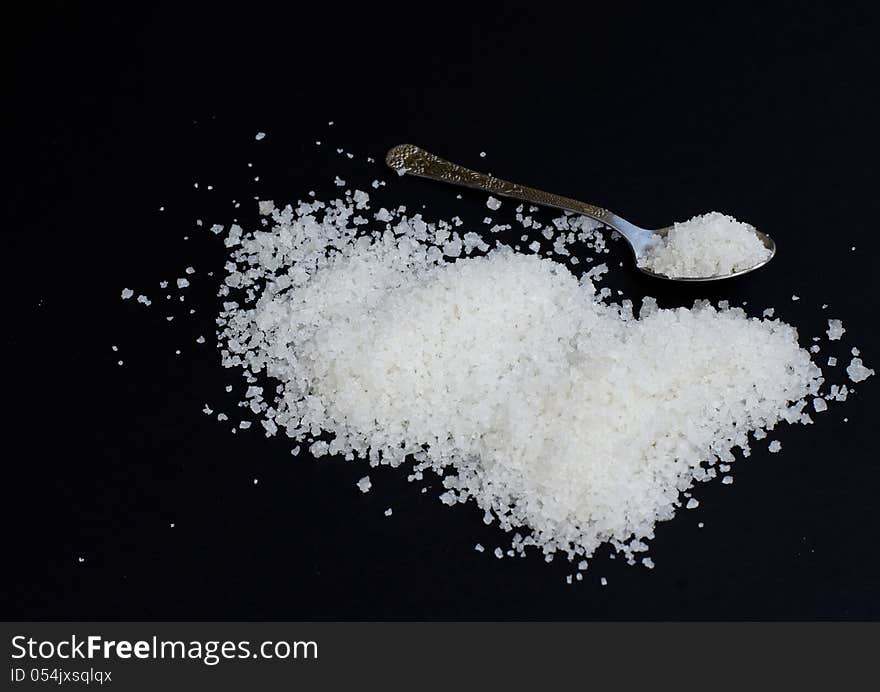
(506, 375)
(835, 330)
(709, 245)
(857, 371)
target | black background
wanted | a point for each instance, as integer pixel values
(767, 113)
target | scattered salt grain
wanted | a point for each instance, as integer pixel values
(182, 283)
(774, 446)
(693, 503)
(493, 204)
(389, 512)
(260, 135)
(727, 480)
(127, 293)
(479, 548)
(648, 562)
(835, 330)
(857, 371)
(364, 484)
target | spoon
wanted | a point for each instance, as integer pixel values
(408, 158)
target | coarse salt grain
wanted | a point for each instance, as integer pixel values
(857, 371)
(835, 330)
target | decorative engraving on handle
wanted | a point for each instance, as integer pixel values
(408, 158)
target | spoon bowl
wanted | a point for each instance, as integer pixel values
(765, 239)
(410, 159)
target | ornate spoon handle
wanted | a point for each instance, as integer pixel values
(408, 158)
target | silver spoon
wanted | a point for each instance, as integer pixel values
(408, 158)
